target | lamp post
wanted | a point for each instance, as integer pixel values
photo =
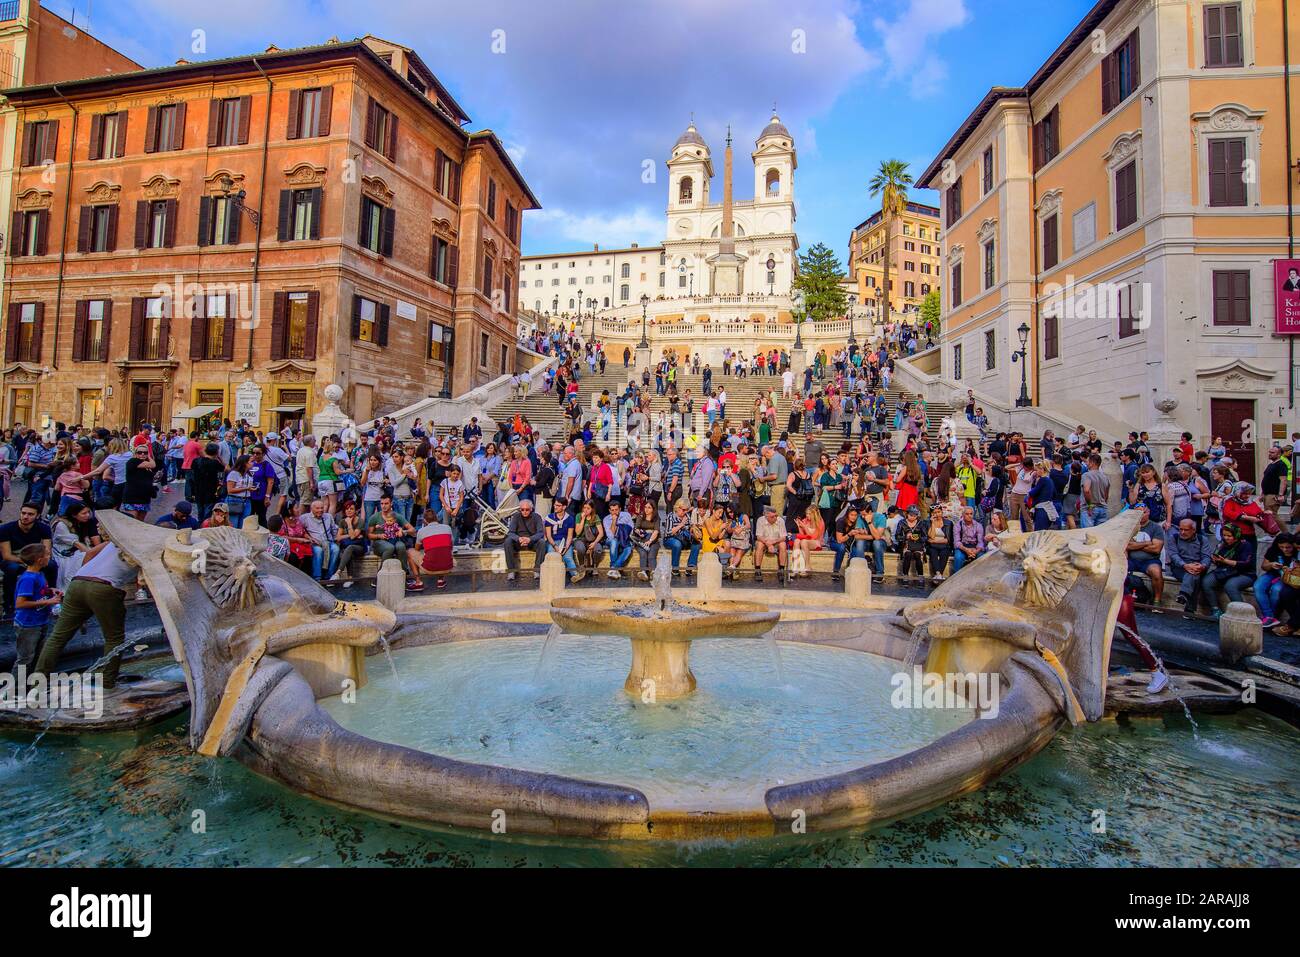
(645, 302)
(237, 200)
(1021, 355)
(796, 300)
(853, 302)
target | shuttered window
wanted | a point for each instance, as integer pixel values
(309, 112)
(228, 121)
(1051, 241)
(1129, 320)
(377, 227)
(165, 128)
(1126, 205)
(29, 233)
(1223, 44)
(381, 130)
(988, 170)
(1231, 297)
(955, 292)
(1120, 73)
(39, 142)
(212, 327)
(107, 135)
(23, 337)
(300, 211)
(1047, 138)
(155, 224)
(295, 324)
(446, 176)
(1227, 172)
(954, 202)
(1051, 337)
(369, 321)
(90, 330)
(97, 229)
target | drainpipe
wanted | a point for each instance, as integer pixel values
(261, 204)
(63, 240)
(1033, 252)
(1290, 205)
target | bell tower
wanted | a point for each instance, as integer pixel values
(774, 164)
(689, 170)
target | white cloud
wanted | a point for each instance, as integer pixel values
(906, 42)
(582, 229)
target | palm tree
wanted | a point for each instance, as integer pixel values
(890, 184)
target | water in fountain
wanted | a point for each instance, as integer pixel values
(775, 651)
(546, 646)
(388, 653)
(913, 650)
(96, 665)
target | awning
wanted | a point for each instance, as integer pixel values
(286, 408)
(199, 411)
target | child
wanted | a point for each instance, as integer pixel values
(32, 603)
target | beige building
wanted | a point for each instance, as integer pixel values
(912, 249)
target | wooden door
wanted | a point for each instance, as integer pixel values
(146, 404)
(1234, 420)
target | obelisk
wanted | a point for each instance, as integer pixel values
(725, 266)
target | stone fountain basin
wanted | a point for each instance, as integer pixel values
(639, 619)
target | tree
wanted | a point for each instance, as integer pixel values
(890, 184)
(819, 279)
(930, 311)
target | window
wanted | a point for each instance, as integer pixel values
(1051, 241)
(26, 320)
(1047, 138)
(219, 220)
(369, 321)
(486, 286)
(681, 280)
(299, 214)
(228, 121)
(39, 142)
(909, 266)
(1120, 74)
(1227, 169)
(1126, 206)
(925, 289)
(508, 292)
(483, 343)
(925, 269)
(444, 262)
(295, 318)
(309, 112)
(990, 351)
(492, 200)
(212, 328)
(107, 135)
(439, 340)
(685, 190)
(990, 263)
(1223, 46)
(956, 361)
(954, 202)
(625, 272)
(925, 248)
(624, 293)
(150, 328)
(504, 357)
(1130, 323)
(1051, 337)
(376, 227)
(165, 129)
(573, 280)
(381, 130)
(988, 171)
(909, 247)
(90, 330)
(512, 222)
(97, 229)
(909, 290)
(1231, 297)
(446, 179)
(955, 292)
(30, 230)
(155, 224)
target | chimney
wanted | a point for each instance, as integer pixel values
(636, 246)
(595, 247)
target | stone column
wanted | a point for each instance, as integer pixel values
(390, 584)
(331, 419)
(642, 359)
(1240, 632)
(708, 577)
(857, 582)
(1111, 468)
(553, 576)
(798, 362)
(1165, 434)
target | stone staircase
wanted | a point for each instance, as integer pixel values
(546, 415)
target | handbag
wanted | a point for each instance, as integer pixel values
(1291, 576)
(1268, 522)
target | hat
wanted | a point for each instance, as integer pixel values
(913, 511)
(221, 507)
(184, 507)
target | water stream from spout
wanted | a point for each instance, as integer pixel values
(388, 653)
(54, 712)
(546, 646)
(775, 651)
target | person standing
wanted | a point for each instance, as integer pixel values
(97, 591)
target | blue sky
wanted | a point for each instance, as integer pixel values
(586, 90)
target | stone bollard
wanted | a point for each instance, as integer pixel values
(390, 584)
(1240, 632)
(857, 582)
(553, 576)
(708, 577)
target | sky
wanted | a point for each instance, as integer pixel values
(590, 95)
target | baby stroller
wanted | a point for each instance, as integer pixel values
(493, 522)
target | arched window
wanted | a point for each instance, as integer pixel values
(624, 292)
(607, 302)
(686, 190)
(773, 182)
(537, 306)
(626, 271)
(570, 303)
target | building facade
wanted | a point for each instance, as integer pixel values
(1125, 207)
(913, 250)
(227, 238)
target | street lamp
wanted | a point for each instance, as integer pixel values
(1022, 356)
(796, 301)
(645, 302)
(771, 275)
(853, 302)
(227, 185)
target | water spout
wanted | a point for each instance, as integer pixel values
(662, 579)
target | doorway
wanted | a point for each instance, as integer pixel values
(146, 404)
(20, 407)
(1234, 421)
(90, 406)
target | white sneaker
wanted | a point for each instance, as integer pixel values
(614, 573)
(1159, 681)
(511, 577)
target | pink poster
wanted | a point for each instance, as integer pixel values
(1286, 285)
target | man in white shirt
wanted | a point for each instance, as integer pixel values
(306, 471)
(279, 461)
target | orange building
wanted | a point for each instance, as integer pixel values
(227, 238)
(1125, 207)
(912, 248)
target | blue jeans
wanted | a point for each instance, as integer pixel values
(566, 557)
(1268, 587)
(1091, 515)
(402, 508)
(618, 557)
(676, 545)
(239, 509)
(324, 555)
(959, 559)
(854, 549)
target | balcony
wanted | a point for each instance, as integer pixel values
(9, 10)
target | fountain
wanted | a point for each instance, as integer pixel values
(661, 631)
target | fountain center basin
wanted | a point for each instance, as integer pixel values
(661, 632)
